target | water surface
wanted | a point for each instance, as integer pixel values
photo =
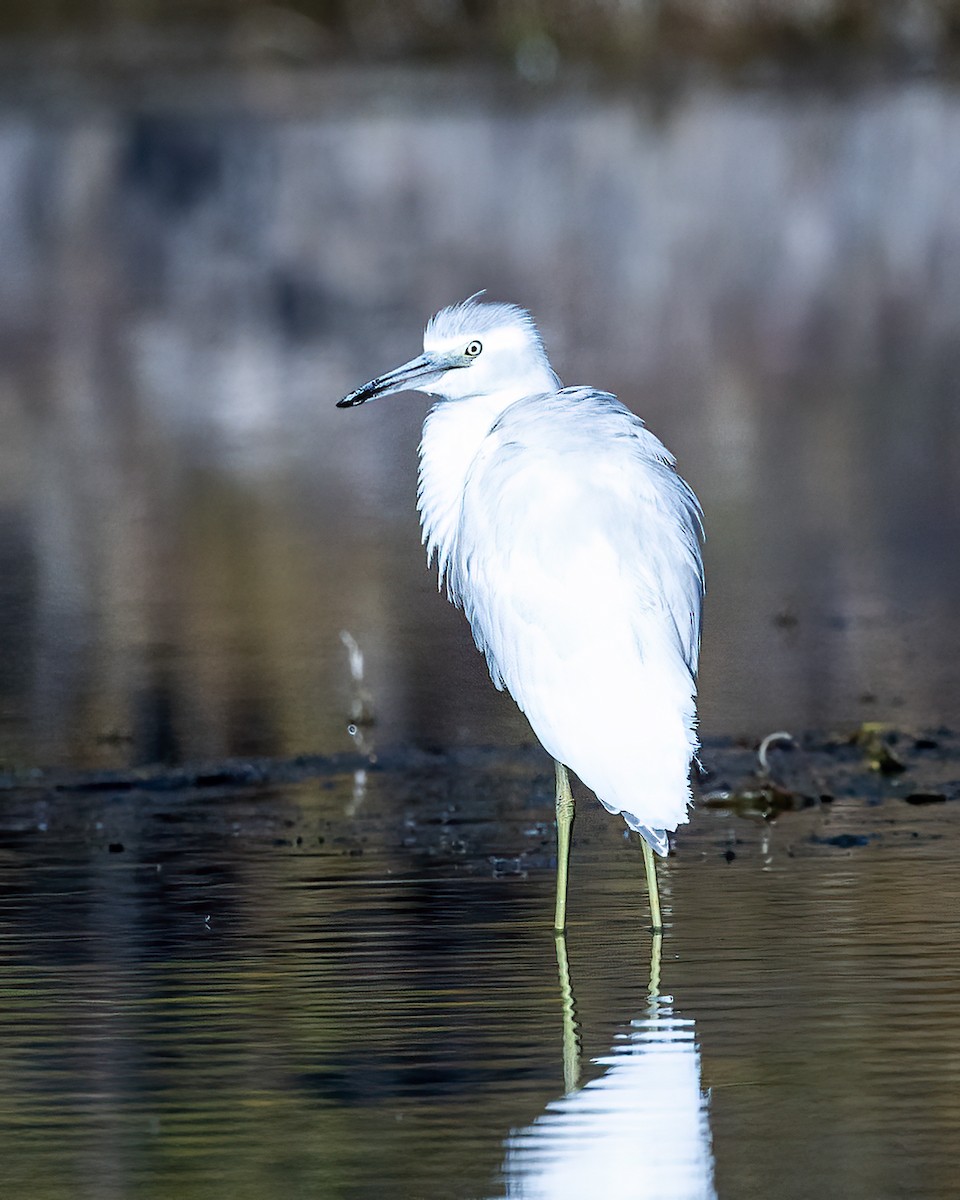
(339, 994)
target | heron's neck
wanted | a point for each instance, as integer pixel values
(452, 435)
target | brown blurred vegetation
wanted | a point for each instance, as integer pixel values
(918, 32)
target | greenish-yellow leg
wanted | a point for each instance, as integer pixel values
(651, 866)
(571, 1036)
(653, 990)
(564, 825)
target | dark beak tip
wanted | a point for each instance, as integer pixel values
(350, 401)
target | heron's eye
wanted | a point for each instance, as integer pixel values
(473, 349)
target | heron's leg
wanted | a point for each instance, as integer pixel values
(564, 825)
(571, 1034)
(653, 989)
(651, 865)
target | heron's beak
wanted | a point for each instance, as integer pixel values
(415, 374)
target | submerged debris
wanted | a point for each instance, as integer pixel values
(876, 741)
(491, 809)
(867, 768)
(845, 841)
(763, 795)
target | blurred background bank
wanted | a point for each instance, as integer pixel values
(216, 218)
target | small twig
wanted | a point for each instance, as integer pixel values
(772, 739)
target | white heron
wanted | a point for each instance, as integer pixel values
(561, 527)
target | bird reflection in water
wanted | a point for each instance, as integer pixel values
(561, 527)
(640, 1130)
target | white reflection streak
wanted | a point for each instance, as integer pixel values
(638, 1132)
(361, 718)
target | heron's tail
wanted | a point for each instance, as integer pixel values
(656, 839)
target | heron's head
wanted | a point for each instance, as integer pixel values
(471, 349)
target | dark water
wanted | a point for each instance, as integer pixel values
(344, 986)
(328, 991)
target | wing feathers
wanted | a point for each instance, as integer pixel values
(577, 561)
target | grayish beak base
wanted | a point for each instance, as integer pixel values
(415, 374)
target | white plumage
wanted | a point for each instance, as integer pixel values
(561, 527)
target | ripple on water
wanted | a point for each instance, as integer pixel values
(219, 1005)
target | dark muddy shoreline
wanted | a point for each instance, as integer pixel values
(444, 804)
